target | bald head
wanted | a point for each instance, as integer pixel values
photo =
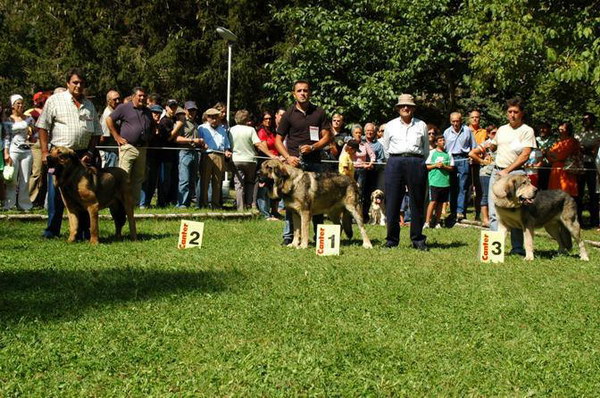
(113, 99)
(456, 120)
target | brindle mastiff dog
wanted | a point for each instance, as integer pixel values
(520, 205)
(307, 194)
(89, 189)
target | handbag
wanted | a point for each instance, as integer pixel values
(8, 173)
(574, 165)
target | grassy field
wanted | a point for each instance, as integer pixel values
(245, 317)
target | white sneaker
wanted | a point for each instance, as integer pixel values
(438, 226)
(426, 225)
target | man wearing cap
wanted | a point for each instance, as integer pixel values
(131, 125)
(406, 145)
(110, 157)
(212, 164)
(307, 131)
(459, 142)
(188, 157)
(69, 120)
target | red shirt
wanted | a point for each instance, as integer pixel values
(269, 138)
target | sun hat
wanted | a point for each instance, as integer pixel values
(14, 98)
(406, 99)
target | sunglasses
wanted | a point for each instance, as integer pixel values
(267, 118)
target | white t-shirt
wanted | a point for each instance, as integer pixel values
(243, 140)
(511, 142)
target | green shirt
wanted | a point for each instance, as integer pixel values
(439, 177)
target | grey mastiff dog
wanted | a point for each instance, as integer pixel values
(520, 205)
(308, 193)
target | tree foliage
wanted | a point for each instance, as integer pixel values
(358, 54)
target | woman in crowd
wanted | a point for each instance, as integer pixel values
(485, 157)
(244, 141)
(561, 154)
(17, 153)
(266, 133)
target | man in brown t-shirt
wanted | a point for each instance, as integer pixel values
(307, 131)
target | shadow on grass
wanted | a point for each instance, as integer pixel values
(358, 242)
(140, 237)
(439, 245)
(54, 294)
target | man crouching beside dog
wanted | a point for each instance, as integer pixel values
(307, 131)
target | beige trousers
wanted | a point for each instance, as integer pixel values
(132, 159)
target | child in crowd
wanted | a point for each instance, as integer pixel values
(405, 209)
(347, 158)
(440, 164)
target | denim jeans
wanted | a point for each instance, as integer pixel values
(459, 185)
(188, 176)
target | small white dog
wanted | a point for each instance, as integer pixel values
(377, 209)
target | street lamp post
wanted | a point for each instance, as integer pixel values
(231, 38)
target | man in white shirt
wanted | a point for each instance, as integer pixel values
(406, 145)
(513, 144)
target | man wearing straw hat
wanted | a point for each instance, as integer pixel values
(406, 145)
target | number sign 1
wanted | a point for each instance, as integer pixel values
(328, 240)
(491, 247)
(190, 234)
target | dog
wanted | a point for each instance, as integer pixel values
(89, 189)
(307, 194)
(377, 210)
(520, 205)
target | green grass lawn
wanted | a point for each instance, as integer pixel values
(245, 317)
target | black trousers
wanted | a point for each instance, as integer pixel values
(588, 178)
(402, 173)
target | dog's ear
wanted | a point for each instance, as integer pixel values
(504, 188)
(281, 172)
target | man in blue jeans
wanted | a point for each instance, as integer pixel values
(459, 142)
(307, 131)
(70, 120)
(188, 157)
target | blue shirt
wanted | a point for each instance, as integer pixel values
(459, 143)
(217, 139)
(377, 147)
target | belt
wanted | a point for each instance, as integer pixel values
(502, 168)
(406, 155)
(459, 155)
(24, 146)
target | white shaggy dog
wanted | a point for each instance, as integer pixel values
(377, 209)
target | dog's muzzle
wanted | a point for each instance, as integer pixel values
(264, 181)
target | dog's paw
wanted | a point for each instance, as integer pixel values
(584, 257)
(528, 257)
(367, 245)
(94, 241)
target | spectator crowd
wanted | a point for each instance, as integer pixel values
(177, 154)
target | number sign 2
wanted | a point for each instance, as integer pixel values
(190, 234)
(328, 240)
(491, 247)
